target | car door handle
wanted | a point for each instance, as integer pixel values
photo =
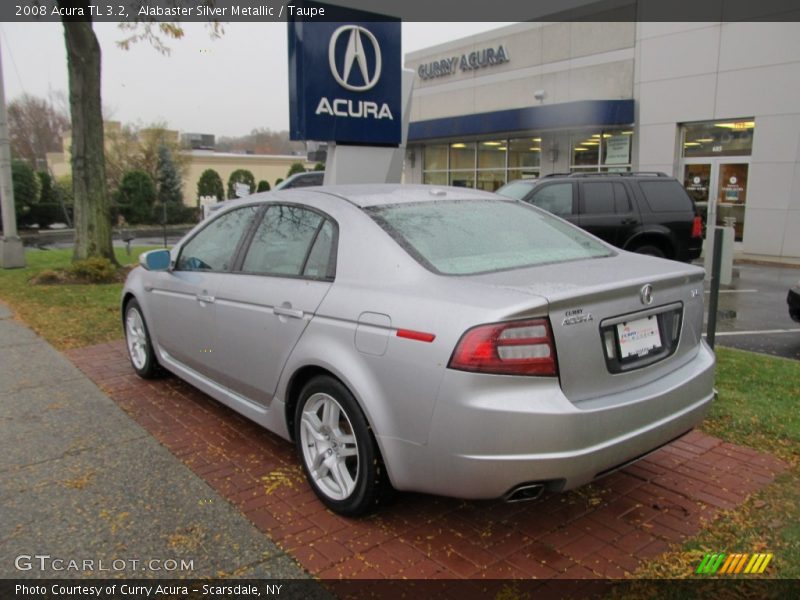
(204, 298)
(629, 221)
(283, 311)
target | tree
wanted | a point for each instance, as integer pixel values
(296, 168)
(169, 180)
(135, 197)
(48, 209)
(133, 147)
(240, 176)
(319, 166)
(278, 181)
(210, 184)
(92, 207)
(92, 214)
(263, 186)
(35, 127)
(26, 188)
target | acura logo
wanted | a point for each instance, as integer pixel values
(355, 54)
(646, 294)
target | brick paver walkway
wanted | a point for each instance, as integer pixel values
(602, 530)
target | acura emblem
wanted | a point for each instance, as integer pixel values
(355, 54)
(646, 294)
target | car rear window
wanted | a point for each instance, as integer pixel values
(467, 237)
(516, 190)
(666, 196)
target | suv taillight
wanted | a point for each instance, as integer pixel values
(510, 348)
(697, 227)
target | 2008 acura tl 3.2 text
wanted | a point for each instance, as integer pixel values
(439, 340)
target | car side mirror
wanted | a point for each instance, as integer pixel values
(155, 260)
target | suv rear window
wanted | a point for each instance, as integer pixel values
(467, 237)
(666, 196)
(516, 190)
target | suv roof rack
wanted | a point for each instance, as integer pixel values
(609, 174)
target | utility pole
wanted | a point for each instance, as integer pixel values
(12, 254)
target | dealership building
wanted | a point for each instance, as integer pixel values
(717, 105)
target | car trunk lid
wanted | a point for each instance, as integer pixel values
(618, 322)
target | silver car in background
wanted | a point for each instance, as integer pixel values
(439, 340)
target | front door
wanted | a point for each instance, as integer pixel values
(183, 299)
(719, 189)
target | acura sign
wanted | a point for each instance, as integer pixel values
(344, 82)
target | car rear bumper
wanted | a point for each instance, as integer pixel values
(490, 434)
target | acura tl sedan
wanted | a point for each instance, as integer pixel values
(439, 340)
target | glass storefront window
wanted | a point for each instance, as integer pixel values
(435, 158)
(514, 174)
(491, 180)
(616, 148)
(492, 154)
(462, 155)
(488, 164)
(524, 153)
(462, 178)
(435, 177)
(728, 137)
(586, 150)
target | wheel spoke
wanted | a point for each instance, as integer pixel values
(330, 414)
(319, 461)
(313, 426)
(348, 451)
(342, 478)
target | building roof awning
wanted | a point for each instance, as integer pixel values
(583, 113)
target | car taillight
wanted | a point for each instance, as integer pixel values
(510, 348)
(697, 227)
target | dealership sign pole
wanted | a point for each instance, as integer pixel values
(347, 88)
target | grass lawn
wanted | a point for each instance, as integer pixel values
(67, 316)
(757, 407)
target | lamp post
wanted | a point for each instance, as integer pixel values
(12, 254)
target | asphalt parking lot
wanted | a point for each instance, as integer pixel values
(753, 314)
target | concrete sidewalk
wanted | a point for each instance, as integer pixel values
(81, 481)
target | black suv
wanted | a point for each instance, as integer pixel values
(649, 213)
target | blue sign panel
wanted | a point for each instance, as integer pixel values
(344, 82)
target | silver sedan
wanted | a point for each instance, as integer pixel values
(439, 340)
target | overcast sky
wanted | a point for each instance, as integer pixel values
(226, 86)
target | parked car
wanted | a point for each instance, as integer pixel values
(793, 300)
(648, 213)
(307, 179)
(438, 340)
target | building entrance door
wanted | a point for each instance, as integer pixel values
(719, 189)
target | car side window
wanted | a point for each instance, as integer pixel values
(285, 241)
(598, 198)
(213, 248)
(555, 198)
(622, 202)
(319, 264)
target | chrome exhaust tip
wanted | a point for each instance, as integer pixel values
(525, 492)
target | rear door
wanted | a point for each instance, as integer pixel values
(607, 212)
(263, 308)
(557, 197)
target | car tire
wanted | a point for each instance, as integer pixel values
(339, 454)
(137, 341)
(650, 250)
